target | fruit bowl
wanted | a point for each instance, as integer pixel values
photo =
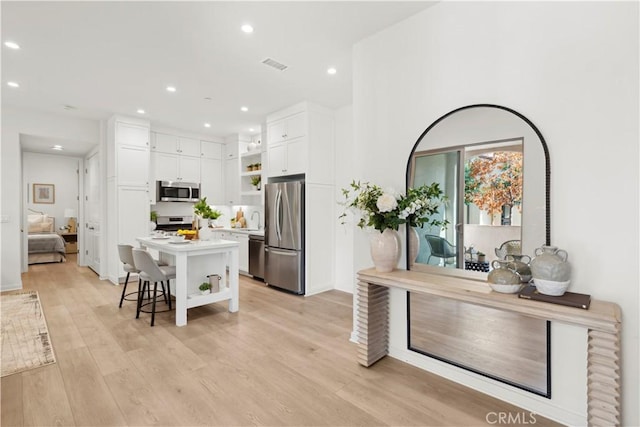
(551, 287)
(505, 289)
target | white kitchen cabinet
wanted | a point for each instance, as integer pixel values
(133, 135)
(133, 214)
(243, 252)
(189, 147)
(172, 144)
(287, 128)
(232, 181)
(189, 169)
(173, 167)
(133, 165)
(211, 181)
(164, 143)
(288, 158)
(210, 150)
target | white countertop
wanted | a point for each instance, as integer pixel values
(165, 245)
(241, 230)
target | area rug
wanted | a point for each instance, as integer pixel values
(25, 338)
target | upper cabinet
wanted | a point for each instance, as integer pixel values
(210, 150)
(128, 152)
(172, 144)
(172, 167)
(287, 128)
(132, 135)
(300, 141)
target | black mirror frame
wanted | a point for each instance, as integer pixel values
(547, 241)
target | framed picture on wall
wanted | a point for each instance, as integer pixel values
(44, 193)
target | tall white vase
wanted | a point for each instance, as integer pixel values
(414, 245)
(385, 250)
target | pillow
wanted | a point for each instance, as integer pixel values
(35, 218)
(40, 223)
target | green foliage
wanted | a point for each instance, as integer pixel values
(256, 179)
(153, 216)
(204, 286)
(202, 208)
(381, 210)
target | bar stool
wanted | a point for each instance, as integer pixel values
(150, 271)
(126, 257)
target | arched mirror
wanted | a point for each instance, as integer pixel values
(493, 165)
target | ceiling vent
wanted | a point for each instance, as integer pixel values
(275, 64)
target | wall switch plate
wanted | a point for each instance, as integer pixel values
(5, 218)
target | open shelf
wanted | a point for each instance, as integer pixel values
(197, 299)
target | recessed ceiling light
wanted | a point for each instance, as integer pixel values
(332, 71)
(207, 125)
(245, 109)
(171, 89)
(12, 45)
(141, 111)
(252, 130)
(57, 147)
(247, 28)
(13, 84)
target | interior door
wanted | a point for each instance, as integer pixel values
(92, 212)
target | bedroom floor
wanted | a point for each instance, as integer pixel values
(281, 360)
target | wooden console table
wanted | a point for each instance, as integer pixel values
(602, 320)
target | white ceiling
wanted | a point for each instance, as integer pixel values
(115, 57)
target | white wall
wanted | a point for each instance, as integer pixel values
(15, 122)
(344, 162)
(572, 69)
(57, 170)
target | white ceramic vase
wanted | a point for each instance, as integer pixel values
(414, 245)
(385, 250)
(205, 233)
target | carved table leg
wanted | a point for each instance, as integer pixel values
(603, 378)
(373, 323)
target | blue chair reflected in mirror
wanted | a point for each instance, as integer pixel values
(441, 248)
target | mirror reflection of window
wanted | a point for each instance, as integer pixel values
(438, 245)
(493, 183)
(486, 200)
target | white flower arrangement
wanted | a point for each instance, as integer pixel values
(385, 209)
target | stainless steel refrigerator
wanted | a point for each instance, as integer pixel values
(284, 236)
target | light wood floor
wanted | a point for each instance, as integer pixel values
(281, 360)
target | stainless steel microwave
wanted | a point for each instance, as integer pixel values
(177, 191)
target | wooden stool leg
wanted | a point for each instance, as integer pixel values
(124, 289)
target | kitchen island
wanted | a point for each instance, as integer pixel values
(194, 261)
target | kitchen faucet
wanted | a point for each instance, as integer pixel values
(256, 212)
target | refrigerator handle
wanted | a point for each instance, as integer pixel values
(278, 215)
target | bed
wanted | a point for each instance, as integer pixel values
(44, 244)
